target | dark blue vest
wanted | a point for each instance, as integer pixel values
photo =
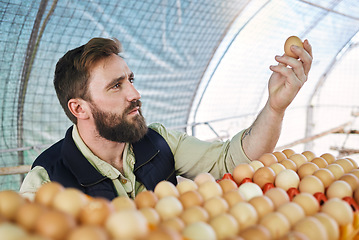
(65, 164)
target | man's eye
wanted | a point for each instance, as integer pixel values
(131, 80)
(117, 85)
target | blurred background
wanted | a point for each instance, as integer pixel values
(201, 66)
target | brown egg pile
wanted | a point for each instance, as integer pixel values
(282, 195)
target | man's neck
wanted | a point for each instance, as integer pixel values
(108, 151)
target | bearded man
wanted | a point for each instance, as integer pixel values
(110, 151)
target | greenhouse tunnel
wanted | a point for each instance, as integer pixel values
(201, 66)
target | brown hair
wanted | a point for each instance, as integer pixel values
(73, 70)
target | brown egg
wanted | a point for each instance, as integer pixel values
(292, 235)
(320, 162)
(186, 185)
(339, 189)
(308, 202)
(292, 40)
(346, 164)
(278, 196)
(228, 185)
(242, 171)
(306, 169)
(96, 211)
(339, 210)
(128, 224)
(255, 164)
(299, 159)
(10, 231)
(355, 164)
(10, 201)
(287, 179)
(168, 207)
(289, 164)
(309, 155)
(264, 175)
(199, 230)
(325, 175)
(292, 211)
(210, 189)
(262, 204)
(33, 237)
(54, 224)
(279, 155)
(46, 193)
(175, 224)
(255, 232)
(203, 177)
(2, 219)
(27, 214)
(330, 225)
(355, 172)
(225, 226)
(356, 195)
(151, 215)
(311, 227)
(70, 200)
(191, 198)
(336, 169)
(277, 168)
(351, 179)
(328, 157)
(232, 197)
(311, 184)
(288, 152)
(268, 159)
(194, 214)
(123, 203)
(146, 198)
(215, 206)
(276, 223)
(164, 189)
(87, 232)
(163, 233)
(245, 214)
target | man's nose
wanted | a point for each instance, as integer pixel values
(133, 94)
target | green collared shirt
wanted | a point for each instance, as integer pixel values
(192, 156)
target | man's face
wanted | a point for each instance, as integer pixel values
(115, 104)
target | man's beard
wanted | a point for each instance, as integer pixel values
(116, 127)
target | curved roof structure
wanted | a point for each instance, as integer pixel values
(201, 66)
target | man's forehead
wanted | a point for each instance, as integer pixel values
(111, 66)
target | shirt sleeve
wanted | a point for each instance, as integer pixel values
(193, 156)
(32, 182)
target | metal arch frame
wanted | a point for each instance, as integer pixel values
(216, 66)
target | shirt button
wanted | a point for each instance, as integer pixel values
(124, 181)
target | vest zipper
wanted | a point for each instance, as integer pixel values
(89, 185)
(171, 174)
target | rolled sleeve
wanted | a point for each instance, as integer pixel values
(32, 182)
(236, 154)
(193, 156)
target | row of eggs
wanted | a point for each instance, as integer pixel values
(232, 208)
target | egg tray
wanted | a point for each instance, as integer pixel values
(348, 231)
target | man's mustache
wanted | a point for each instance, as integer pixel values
(133, 105)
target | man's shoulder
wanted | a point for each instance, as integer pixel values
(159, 128)
(49, 154)
(54, 151)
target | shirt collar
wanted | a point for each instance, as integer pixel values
(101, 166)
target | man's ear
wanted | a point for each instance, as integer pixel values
(79, 108)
